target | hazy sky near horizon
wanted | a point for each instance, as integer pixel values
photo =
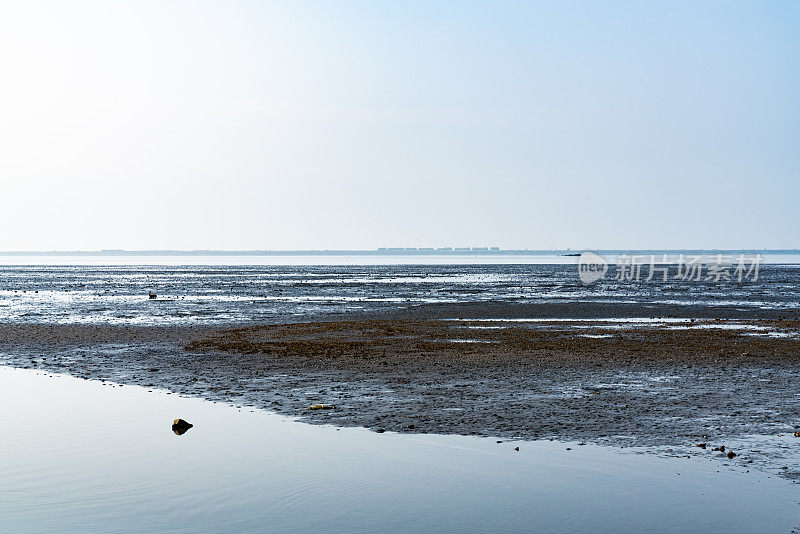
(286, 125)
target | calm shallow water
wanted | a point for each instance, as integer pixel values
(81, 456)
(241, 293)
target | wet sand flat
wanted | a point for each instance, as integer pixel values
(671, 382)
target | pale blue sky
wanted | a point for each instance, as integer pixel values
(242, 125)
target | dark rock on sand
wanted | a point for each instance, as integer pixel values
(180, 427)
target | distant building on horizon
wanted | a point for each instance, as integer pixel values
(432, 250)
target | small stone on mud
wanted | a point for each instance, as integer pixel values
(179, 426)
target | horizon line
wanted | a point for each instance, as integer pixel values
(383, 251)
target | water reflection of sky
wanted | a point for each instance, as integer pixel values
(79, 456)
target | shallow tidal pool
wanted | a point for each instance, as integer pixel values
(86, 456)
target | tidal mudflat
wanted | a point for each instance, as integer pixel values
(667, 383)
(87, 456)
(420, 393)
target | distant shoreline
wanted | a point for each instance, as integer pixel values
(476, 251)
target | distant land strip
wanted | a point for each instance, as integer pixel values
(393, 251)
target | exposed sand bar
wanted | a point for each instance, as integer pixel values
(672, 384)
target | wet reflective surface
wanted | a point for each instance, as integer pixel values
(82, 456)
(225, 294)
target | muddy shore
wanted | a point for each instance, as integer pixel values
(723, 378)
